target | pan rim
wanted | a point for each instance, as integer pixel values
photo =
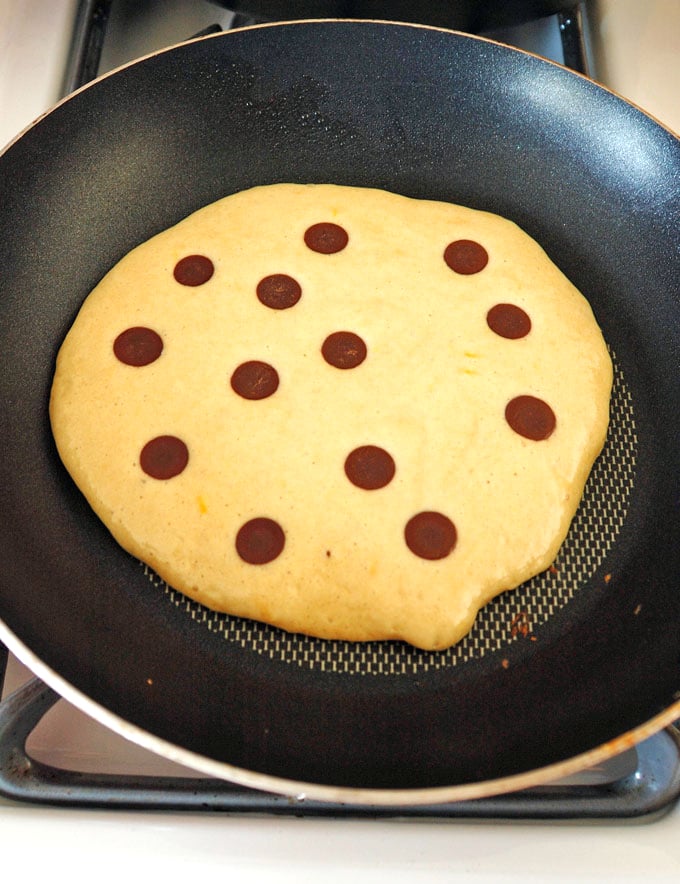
(301, 790)
(324, 22)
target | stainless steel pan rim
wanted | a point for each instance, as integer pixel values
(303, 791)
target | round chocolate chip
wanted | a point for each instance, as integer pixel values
(279, 291)
(326, 238)
(193, 270)
(466, 256)
(508, 321)
(138, 346)
(260, 541)
(344, 349)
(369, 467)
(430, 535)
(530, 417)
(255, 380)
(164, 457)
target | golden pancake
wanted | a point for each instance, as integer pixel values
(337, 410)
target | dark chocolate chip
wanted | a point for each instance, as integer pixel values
(138, 346)
(344, 349)
(279, 291)
(508, 321)
(164, 457)
(260, 541)
(255, 380)
(466, 256)
(193, 270)
(326, 238)
(530, 417)
(430, 535)
(369, 467)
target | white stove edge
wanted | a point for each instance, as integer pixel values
(641, 63)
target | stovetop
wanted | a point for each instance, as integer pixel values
(260, 847)
(250, 838)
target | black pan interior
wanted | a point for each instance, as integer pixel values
(429, 114)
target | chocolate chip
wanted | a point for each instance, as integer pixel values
(260, 541)
(369, 467)
(138, 346)
(508, 321)
(164, 457)
(326, 238)
(466, 256)
(279, 291)
(193, 270)
(530, 417)
(430, 535)
(344, 349)
(255, 380)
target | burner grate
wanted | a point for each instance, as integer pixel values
(92, 19)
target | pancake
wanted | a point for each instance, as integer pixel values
(337, 410)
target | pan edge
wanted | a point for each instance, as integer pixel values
(301, 790)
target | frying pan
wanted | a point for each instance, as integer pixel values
(568, 669)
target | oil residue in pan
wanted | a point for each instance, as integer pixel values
(512, 616)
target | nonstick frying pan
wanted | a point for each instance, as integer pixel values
(570, 668)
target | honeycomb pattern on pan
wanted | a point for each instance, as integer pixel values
(513, 616)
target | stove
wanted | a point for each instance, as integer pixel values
(87, 793)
